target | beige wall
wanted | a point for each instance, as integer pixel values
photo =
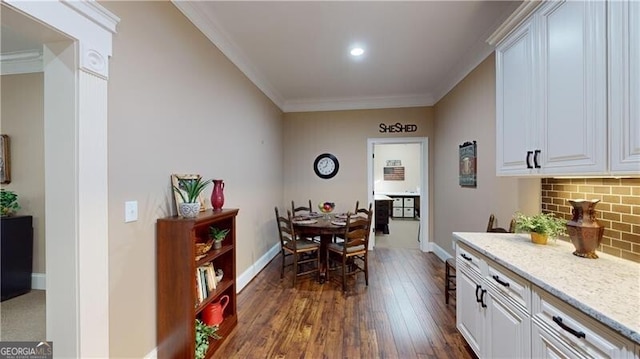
(344, 134)
(177, 105)
(467, 113)
(23, 120)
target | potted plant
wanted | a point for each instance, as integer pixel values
(203, 333)
(541, 226)
(8, 203)
(218, 236)
(189, 191)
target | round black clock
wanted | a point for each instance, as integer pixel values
(326, 165)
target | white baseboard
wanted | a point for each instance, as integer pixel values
(438, 251)
(252, 271)
(39, 281)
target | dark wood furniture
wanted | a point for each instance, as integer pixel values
(17, 255)
(353, 252)
(303, 251)
(176, 294)
(383, 211)
(324, 229)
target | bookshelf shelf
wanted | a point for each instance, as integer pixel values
(177, 301)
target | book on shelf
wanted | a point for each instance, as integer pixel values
(205, 281)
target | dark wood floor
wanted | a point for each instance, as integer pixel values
(401, 314)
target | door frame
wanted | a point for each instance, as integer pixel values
(424, 182)
(76, 189)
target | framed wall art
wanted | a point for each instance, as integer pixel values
(5, 160)
(468, 164)
(175, 181)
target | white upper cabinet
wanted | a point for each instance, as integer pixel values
(516, 120)
(573, 83)
(555, 115)
(624, 87)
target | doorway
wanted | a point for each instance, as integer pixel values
(414, 185)
(75, 67)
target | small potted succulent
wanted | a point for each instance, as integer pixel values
(8, 203)
(541, 226)
(218, 235)
(189, 191)
(203, 334)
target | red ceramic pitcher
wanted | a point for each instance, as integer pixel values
(217, 195)
(212, 313)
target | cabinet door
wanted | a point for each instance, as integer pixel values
(545, 345)
(624, 84)
(469, 313)
(516, 119)
(572, 85)
(507, 329)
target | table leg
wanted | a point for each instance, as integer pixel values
(325, 239)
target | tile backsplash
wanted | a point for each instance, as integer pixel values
(618, 210)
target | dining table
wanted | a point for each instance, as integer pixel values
(324, 226)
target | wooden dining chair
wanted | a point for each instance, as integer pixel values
(492, 221)
(301, 210)
(450, 263)
(353, 253)
(363, 212)
(303, 251)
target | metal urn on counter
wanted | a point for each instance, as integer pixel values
(584, 230)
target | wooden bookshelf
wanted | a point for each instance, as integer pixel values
(176, 296)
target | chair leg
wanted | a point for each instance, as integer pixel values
(344, 273)
(295, 267)
(282, 269)
(366, 269)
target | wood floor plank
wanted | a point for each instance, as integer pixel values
(401, 314)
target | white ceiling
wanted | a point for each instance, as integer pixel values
(297, 52)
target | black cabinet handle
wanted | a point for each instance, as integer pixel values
(478, 287)
(578, 334)
(497, 279)
(466, 257)
(535, 159)
(529, 153)
(482, 293)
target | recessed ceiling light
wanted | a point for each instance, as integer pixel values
(357, 51)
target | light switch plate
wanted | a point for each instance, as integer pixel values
(130, 211)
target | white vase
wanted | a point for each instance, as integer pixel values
(189, 210)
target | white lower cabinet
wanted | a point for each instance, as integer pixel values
(502, 315)
(469, 312)
(508, 329)
(490, 316)
(560, 331)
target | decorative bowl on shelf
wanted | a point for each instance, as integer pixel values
(203, 248)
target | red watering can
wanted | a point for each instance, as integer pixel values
(212, 313)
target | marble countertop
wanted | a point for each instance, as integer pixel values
(606, 289)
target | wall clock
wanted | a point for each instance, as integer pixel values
(326, 165)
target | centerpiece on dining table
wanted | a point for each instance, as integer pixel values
(326, 208)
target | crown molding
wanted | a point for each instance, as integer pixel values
(95, 12)
(520, 14)
(357, 103)
(207, 24)
(21, 62)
